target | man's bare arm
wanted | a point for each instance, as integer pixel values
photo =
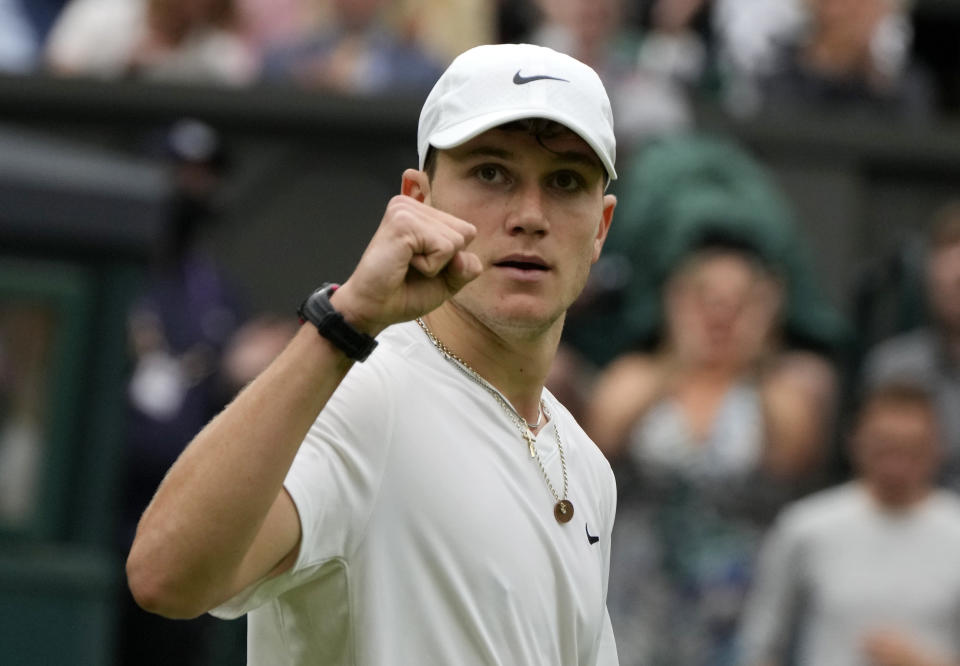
(195, 542)
(221, 520)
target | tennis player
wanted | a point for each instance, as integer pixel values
(398, 487)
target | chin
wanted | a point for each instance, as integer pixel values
(522, 318)
(514, 314)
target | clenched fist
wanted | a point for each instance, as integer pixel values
(415, 261)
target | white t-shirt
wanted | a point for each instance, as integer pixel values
(839, 568)
(428, 530)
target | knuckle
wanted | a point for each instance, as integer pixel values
(445, 249)
(400, 218)
(398, 205)
(398, 200)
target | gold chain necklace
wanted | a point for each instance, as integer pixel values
(563, 508)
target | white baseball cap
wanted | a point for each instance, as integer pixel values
(494, 84)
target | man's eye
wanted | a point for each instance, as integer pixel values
(489, 173)
(567, 181)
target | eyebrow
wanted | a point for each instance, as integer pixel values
(572, 156)
(579, 157)
(481, 151)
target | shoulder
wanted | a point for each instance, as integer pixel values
(804, 369)
(93, 19)
(394, 369)
(631, 363)
(822, 511)
(93, 24)
(623, 391)
(398, 346)
(404, 369)
(945, 507)
(628, 380)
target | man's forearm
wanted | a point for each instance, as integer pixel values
(219, 520)
(193, 539)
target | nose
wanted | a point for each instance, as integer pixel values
(528, 214)
(721, 309)
(720, 303)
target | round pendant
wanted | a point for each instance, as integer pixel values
(563, 511)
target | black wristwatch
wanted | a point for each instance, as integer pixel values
(318, 310)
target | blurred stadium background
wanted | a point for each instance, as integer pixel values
(82, 205)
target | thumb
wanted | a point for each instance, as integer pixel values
(462, 269)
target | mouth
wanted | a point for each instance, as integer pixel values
(523, 263)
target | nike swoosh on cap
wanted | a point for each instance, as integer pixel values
(520, 80)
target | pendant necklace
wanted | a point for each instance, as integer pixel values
(563, 508)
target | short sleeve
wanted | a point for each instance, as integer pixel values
(334, 482)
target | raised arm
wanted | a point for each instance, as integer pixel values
(798, 396)
(221, 520)
(623, 392)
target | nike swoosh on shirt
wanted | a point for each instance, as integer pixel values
(520, 80)
(592, 539)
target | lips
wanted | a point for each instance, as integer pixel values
(523, 262)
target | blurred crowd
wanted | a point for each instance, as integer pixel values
(653, 54)
(786, 496)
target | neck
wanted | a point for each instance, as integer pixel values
(896, 502)
(515, 363)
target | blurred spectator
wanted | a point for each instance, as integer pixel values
(19, 41)
(853, 56)
(752, 37)
(191, 41)
(675, 45)
(266, 24)
(931, 354)
(43, 14)
(646, 102)
(865, 574)
(723, 305)
(23, 28)
(354, 52)
(717, 425)
(670, 192)
(445, 28)
(593, 32)
(26, 335)
(720, 418)
(191, 353)
(754, 33)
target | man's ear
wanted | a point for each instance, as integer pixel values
(609, 203)
(415, 184)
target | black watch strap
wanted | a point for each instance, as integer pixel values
(318, 310)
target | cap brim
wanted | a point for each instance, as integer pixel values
(468, 129)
